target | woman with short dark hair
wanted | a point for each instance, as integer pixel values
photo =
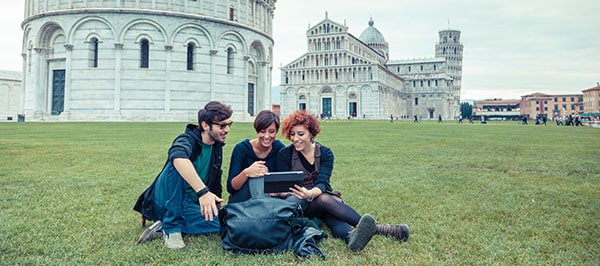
(253, 158)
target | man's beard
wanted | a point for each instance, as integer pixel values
(214, 136)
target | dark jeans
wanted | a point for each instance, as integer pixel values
(177, 205)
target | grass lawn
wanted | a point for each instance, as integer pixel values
(499, 193)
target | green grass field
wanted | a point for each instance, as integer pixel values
(500, 193)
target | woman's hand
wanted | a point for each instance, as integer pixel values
(302, 193)
(257, 169)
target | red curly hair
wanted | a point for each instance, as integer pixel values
(300, 117)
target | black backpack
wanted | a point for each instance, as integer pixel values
(259, 224)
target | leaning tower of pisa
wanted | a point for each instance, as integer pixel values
(145, 60)
(450, 47)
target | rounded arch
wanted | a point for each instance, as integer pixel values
(140, 37)
(303, 90)
(48, 33)
(82, 21)
(91, 36)
(229, 39)
(26, 44)
(340, 89)
(257, 51)
(194, 38)
(291, 90)
(139, 22)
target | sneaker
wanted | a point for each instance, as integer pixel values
(174, 241)
(365, 230)
(398, 231)
(151, 233)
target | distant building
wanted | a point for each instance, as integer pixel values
(591, 101)
(158, 60)
(497, 109)
(10, 94)
(342, 76)
(551, 106)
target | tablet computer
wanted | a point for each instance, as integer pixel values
(276, 182)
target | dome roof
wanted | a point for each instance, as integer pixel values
(371, 34)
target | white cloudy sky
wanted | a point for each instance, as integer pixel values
(511, 48)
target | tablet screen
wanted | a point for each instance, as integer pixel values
(276, 182)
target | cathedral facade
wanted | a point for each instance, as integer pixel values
(145, 60)
(342, 76)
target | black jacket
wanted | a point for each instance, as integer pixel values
(187, 145)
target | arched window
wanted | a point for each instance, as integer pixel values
(145, 54)
(94, 52)
(416, 101)
(229, 60)
(190, 56)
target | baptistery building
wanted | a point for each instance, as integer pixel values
(145, 60)
(342, 76)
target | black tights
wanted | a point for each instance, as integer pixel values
(339, 217)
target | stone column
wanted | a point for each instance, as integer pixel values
(213, 56)
(168, 52)
(117, 93)
(38, 87)
(67, 95)
(24, 77)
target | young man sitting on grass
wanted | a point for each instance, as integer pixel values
(187, 192)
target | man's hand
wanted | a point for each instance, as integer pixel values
(208, 205)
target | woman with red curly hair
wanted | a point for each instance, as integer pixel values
(316, 195)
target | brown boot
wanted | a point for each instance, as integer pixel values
(398, 231)
(362, 234)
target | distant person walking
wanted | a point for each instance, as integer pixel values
(416, 120)
(439, 118)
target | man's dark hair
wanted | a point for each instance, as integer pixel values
(213, 111)
(264, 119)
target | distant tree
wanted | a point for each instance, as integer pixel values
(466, 109)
